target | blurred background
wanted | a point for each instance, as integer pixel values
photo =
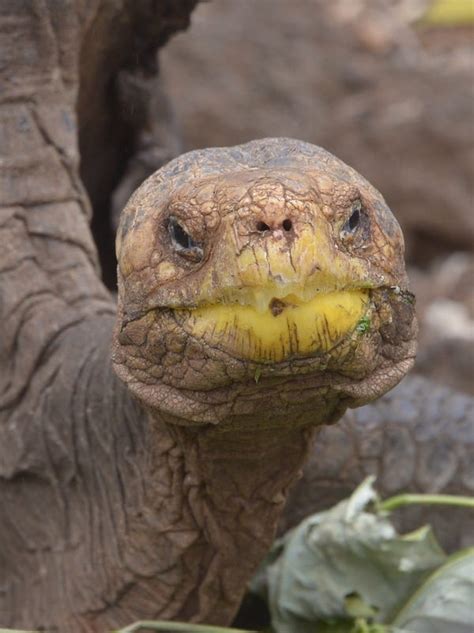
(386, 85)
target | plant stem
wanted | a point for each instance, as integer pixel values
(178, 627)
(410, 499)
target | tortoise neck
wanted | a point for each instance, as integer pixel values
(211, 504)
(174, 524)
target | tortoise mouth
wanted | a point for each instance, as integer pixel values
(276, 328)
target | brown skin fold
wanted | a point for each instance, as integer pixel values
(150, 496)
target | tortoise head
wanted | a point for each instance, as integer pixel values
(261, 284)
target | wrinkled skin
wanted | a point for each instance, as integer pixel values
(181, 366)
(150, 496)
(244, 440)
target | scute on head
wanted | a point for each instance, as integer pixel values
(272, 220)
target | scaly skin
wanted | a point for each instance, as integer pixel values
(203, 375)
(241, 410)
(162, 505)
(157, 495)
(418, 438)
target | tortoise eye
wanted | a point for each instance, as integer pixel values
(354, 220)
(178, 235)
(182, 242)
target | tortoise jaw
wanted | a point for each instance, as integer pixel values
(289, 326)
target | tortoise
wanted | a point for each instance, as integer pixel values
(148, 446)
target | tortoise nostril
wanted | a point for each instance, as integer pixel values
(262, 227)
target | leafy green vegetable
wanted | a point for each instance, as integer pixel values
(360, 625)
(345, 563)
(347, 570)
(445, 602)
(364, 325)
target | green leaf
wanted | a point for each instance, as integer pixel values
(349, 626)
(344, 563)
(445, 602)
(364, 325)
